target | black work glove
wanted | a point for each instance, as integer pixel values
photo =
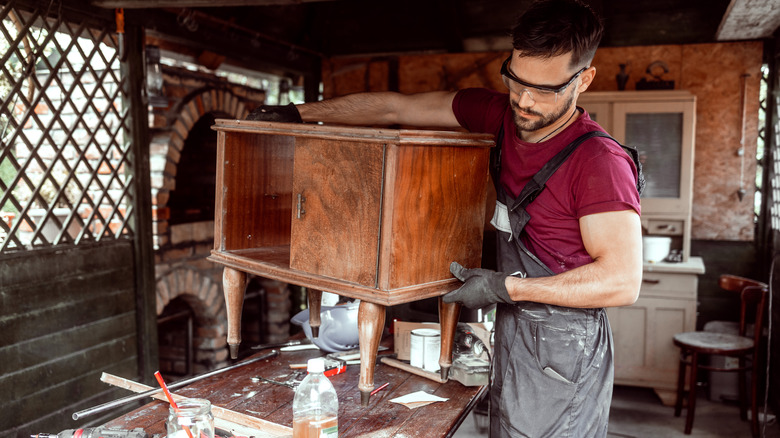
(276, 113)
(481, 287)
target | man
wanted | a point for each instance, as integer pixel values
(565, 252)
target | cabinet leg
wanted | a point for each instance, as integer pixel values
(371, 322)
(448, 320)
(234, 285)
(314, 298)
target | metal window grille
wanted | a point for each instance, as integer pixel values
(64, 126)
(771, 194)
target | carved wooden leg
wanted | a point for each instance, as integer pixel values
(314, 297)
(234, 285)
(448, 319)
(371, 322)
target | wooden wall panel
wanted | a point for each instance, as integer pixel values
(710, 71)
(66, 315)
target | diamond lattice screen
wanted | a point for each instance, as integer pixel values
(772, 193)
(63, 122)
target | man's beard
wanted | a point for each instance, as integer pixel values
(523, 124)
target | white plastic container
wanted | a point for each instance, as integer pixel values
(425, 349)
(316, 405)
(655, 248)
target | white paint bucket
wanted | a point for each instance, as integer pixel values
(425, 349)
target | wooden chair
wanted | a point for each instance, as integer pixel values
(745, 346)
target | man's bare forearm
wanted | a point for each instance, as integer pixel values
(383, 108)
(613, 277)
(589, 286)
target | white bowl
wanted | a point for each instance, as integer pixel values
(655, 248)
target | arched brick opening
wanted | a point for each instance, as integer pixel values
(204, 299)
(184, 278)
(166, 147)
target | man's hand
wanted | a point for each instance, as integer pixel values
(481, 287)
(276, 113)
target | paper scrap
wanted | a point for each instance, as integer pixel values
(417, 399)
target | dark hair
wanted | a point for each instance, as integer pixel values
(555, 27)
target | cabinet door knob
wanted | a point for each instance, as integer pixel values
(301, 201)
(650, 281)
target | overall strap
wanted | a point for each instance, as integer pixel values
(537, 183)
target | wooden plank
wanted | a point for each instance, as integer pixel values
(45, 266)
(25, 326)
(34, 296)
(20, 355)
(263, 427)
(29, 381)
(54, 387)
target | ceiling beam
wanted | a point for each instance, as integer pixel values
(151, 4)
(749, 19)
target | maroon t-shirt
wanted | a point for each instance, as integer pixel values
(598, 177)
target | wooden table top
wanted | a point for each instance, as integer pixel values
(236, 390)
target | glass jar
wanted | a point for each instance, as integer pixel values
(193, 414)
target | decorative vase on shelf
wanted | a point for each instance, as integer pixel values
(622, 77)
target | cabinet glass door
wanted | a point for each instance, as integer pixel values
(662, 132)
(657, 137)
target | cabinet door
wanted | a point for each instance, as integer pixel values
(335, 232)
(663, 134)
(645, 354)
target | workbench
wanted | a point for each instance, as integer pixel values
(235, 390)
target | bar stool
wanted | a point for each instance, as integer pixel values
(745, 346)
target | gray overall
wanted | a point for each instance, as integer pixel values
(553, 369)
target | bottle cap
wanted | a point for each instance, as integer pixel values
(316, 365)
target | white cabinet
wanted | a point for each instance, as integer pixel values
(661, 125)
(644, 352)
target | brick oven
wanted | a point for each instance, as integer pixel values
(190, 304)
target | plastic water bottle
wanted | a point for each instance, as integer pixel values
(316, 405)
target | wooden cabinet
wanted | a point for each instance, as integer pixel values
(373, 214)
(642, 333)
